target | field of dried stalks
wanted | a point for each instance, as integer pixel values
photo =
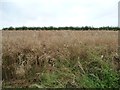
(60, 59)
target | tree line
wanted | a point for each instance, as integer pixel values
(62, 28)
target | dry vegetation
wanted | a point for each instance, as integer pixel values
(60, 58)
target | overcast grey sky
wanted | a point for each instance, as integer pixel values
(58, 13)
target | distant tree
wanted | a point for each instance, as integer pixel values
(11, 28)
(17, 28)
(63, 28)
(24, 28)
(5, 29)
(86, 28)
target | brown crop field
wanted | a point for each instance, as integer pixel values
(60, 59)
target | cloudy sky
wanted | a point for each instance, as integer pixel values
(58, 13)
